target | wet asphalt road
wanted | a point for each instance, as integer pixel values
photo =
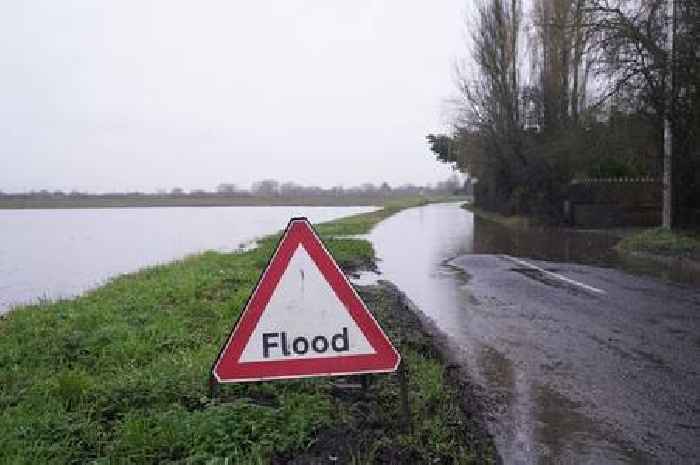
(602, 377)
(583, 364)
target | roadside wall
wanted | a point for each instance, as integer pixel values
(607, 202)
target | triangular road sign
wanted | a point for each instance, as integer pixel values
(303, 319)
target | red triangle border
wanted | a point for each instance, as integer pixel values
(227, 368)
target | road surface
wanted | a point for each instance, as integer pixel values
(583, 364)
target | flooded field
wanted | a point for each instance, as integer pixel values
(60, 253)
(573, 346)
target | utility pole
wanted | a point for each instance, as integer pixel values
(668, 191)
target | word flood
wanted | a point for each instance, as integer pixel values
(301, 345)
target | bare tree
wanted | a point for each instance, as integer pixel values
(655, 78)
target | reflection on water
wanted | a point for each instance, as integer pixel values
(60, 253)
(543, 243)
(569, 246)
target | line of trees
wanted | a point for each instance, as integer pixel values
(576, 88)
(274, 188)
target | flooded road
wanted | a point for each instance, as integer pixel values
(584, 364)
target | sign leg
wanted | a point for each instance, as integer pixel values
(403, 390)
(213, 387)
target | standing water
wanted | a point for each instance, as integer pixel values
(61, 253)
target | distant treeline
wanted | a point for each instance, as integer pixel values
(264, 188)
(263, 193)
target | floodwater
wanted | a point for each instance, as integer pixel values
(570, 246)
(60, 253)
(570, 378)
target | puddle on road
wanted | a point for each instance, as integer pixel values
(537, 425)
(498, 373)
(513, 428)
(569, 436)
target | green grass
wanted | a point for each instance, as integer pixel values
(119, 375)
(660, 241)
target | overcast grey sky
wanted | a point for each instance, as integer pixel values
(140, 95)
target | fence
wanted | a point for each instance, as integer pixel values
(608, 202)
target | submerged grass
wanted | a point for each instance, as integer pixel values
(659, 241)
(513, 221)
(119, 375)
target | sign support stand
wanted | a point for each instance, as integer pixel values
(365, 381)
(213, 387)
(403, 392)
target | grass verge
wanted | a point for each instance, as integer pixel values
(119, 375)
(662, 242)
(370, 426)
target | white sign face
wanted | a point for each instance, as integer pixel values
(304, 319)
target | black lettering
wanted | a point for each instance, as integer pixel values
(343, 338)
(285, 346)
(324, 344)
(300, 341)
(267, 344)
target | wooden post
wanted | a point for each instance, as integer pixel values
(668, 220)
